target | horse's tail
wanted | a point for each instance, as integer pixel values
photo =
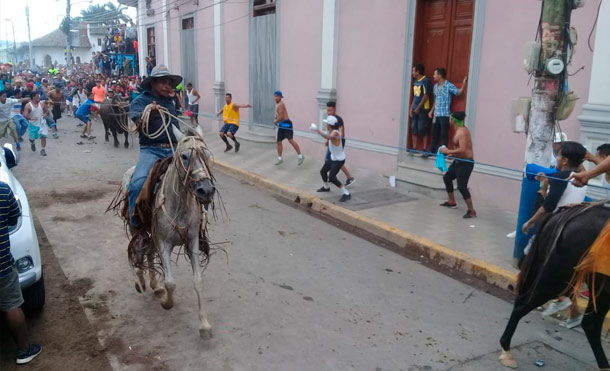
(533, 261)
(596, 257)
(544, 244)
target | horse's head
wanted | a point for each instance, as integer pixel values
(192, 162)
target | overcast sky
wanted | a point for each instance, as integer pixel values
(45, 16)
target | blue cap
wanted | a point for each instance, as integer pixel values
(278, 93)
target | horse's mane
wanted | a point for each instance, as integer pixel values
(545, 242)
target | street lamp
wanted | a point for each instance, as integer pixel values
(14, 44)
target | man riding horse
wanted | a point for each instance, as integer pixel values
(157, 88)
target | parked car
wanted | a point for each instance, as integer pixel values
(24, 241)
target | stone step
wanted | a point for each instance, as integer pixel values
(421, 176)
(258, 135)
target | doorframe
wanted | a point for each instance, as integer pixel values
(278, 5)
(478, 25)
(182, 17)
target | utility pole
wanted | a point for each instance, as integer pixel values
(14, 44)
(27, 16)
(550, 76)
(68, 38)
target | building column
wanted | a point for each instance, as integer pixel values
(142, 37)
(219, 73)
(165, 26)
(330, 33)
(595, 116)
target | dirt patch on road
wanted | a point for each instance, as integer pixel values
(73, 196)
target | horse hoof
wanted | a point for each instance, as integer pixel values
(167, 305)
(205, 334)
(507, 359)
(159, 292)
(126, 145)
(116, 145)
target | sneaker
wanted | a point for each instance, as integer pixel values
(349, 181)
(300, 160)
(323, 189)
(470, 214)
(55, 135)
(425, 155)
(572, 322)
(26, 356)
(279, 162)
(43, 152)
(585, 294)
(18, 145)
(229, 147)
(557, 306)
(83, 136)
(91, 137)
(80, 124)
(345, 197)
(447, 204)
(21, 139)
(237, 145)
(33, 145)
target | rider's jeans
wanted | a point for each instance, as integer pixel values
(148, 157)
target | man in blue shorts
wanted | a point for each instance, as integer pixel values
(11, 298)
(83, 112)
(420, 107)
(230, 117)
(285, 130)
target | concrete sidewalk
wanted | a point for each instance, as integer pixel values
(476, 246)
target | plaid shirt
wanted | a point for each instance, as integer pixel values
(442, 98)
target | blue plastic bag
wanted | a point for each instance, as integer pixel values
(440, 161)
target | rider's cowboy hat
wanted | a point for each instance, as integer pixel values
(160, 70)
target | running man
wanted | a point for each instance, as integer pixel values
(7, 124)
(55, 98)
(337, 158)
(285, 129)
(34, 112)
(83, 112)
(79, 97)
(230, 117)
(193, 97)
(459, 169)
(331, 110)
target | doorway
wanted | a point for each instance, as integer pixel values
(443, 37)
(187, 48)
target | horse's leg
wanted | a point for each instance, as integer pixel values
(167, 301)
(115, 137)
(521, 308)
(126, 140)
(137, 259)
(593, 322)
(205, 329)
(152, 275)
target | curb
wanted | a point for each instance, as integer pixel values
(405, 241)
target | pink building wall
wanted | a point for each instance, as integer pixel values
(236, 54)
(502, 77)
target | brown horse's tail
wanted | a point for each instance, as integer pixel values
(595, 260)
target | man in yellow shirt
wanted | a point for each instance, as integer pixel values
(230, 117)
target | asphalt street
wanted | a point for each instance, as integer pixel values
(292, 292)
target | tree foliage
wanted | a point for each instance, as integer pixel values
(107, 14)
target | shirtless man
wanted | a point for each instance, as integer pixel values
(55, 98)
(285, 130)
(459, 169)
(35, 112)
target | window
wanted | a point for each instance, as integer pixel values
(263, 7)
(188, 23)
(99, 42)
(150, 41)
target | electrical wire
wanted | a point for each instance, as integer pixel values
(594, 25)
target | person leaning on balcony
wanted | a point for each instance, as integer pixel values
(443, 91)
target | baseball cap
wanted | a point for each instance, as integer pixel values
(278, 93)
(30, 84)
(331, 120)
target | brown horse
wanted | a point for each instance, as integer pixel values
(563, 239)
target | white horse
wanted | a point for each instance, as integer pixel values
(178, 218)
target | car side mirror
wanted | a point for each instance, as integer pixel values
(11, 157)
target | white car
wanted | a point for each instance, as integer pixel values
(24, 241)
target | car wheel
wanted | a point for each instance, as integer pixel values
(34, 296)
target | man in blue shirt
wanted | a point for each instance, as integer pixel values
(83, 112)
(10, 290)
(443, 91)
(157, 88)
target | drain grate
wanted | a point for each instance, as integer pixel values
(372, 198)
